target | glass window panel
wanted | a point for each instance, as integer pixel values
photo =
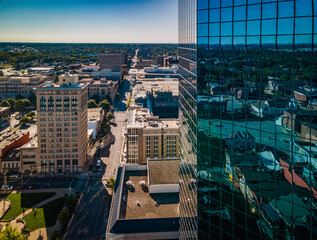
(214, 42)
(214, 29)
(269, 27)
(285, 26)
(202, 42)
(254, 12)
(239, 28)
(254, 1)
(226, 29)
(303, 25)
(226, 41)
(303, 39)
(226, 3)
(202, 16)
(214, 15)
(202, 30)
(315, 7)
(214, 3)
(226, 14)
(239, 42)
(315, 24)
(285, 42)
(286, 9)
(253, 28)
(202, 4)
(239, 2)
(253, 41)
(268, 41)
(240, 13)
(269, 10)
(303, 7)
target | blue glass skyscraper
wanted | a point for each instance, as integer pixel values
(248, 119)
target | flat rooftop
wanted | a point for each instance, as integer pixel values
(163, 171)
(167, 204)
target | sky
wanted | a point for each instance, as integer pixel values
(89, 21)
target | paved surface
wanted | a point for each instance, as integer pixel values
(91, 215)
(3, 209)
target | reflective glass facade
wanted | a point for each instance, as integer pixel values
(248, 119)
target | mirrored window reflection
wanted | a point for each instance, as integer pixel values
(226, 29)
(202, 4)
(303, 8)
(269, 10)
(214, 3)
(226, 14)
(286, 9)
(304, 40)
(214, 15)
(239, 42)
(214, 29)
(239, 28)
(253, 28)
(285, 26)
(202, 16)
(226, 3)
(202, 29)
(240, 13)
(254, 1)
(285, 42)
(269, 27)
(254, 12)
(303, 25)
(239, 2)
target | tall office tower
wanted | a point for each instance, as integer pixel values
(248, 120)
(109, 60)
(62, 126)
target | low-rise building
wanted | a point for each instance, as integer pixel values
(4, 113)
(149, 137)
(135, 212)
(29, 158)
(11, 86)
(95, 118)
(102, 87)
(145, 63)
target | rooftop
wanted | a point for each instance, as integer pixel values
(129, 209)
(163, 171)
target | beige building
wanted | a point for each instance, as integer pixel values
(102, 87)
(10, 86)
(28, 157)
(109, 60)
(149, 137)
(62, 127)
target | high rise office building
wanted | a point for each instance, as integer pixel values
(62, 127)
(248, 120)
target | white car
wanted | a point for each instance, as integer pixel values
(98, 164)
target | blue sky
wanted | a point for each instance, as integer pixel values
(95, 21)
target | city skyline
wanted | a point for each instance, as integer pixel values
(88, 21)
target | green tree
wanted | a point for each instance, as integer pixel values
(19, 96)
(30, 114)
(110, 184)
(71, 203)
(105, 105)
(109, 115)
(63, 218)
(12, 101)
(32, 97)
(96, 98)
(4, 103)
(10, 233)
(92, 103)
(56, 235)
(108, 98)
(24, 120)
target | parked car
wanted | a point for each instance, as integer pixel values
(98, 164)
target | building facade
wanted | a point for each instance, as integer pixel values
(149, 137)
(62, 127)
(113, 61)
(241, 175)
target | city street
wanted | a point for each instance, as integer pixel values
(91, 215)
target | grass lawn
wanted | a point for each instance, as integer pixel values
(45, 216)
(20, 201)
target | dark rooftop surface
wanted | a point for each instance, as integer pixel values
(167, 204)
(163, 171)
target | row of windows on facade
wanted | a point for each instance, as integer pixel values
(58, 114)
(59, 150)
(10, 165)
(58, 119)
(59, 139)
(59, 124)
(58, 93)
(67, 145)
(59, 156)
(58, 130)
(73, 98)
